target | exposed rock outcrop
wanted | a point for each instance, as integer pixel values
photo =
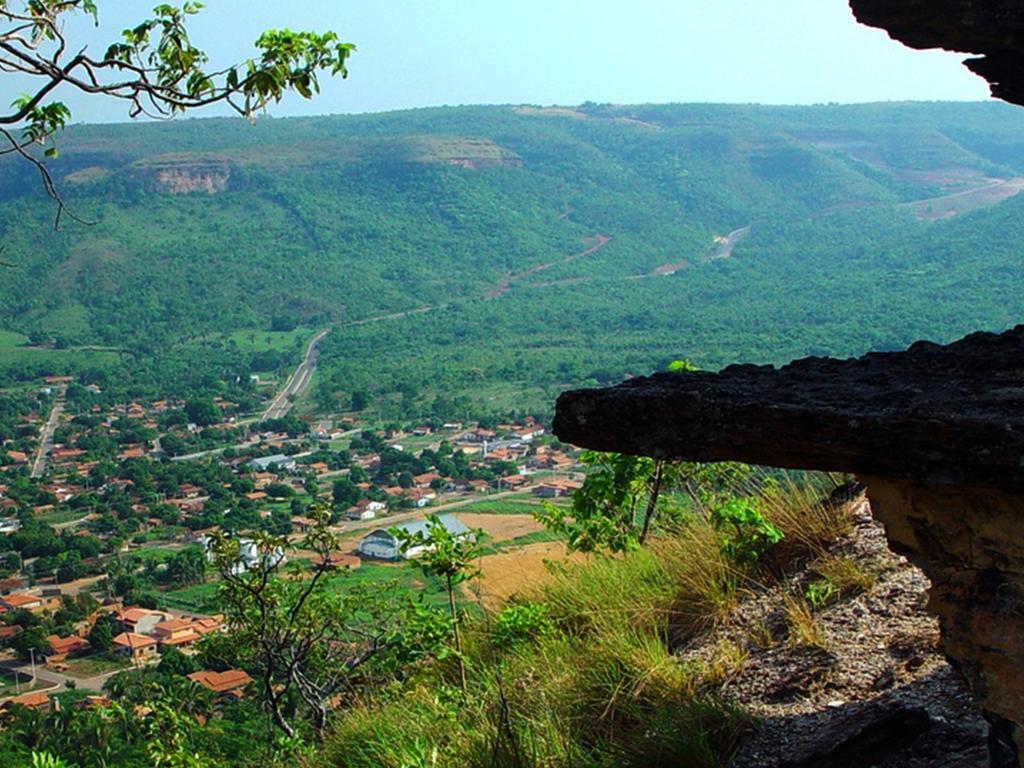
(868, 687)
(992, 28)
(933, 414)
(184, 176)
(937, 433)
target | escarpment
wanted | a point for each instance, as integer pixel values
(935, 432)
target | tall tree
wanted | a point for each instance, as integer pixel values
(302, 636)
(441, 552)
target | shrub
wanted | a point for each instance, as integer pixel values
(519, 624)
(748, 533)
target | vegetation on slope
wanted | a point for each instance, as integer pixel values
(586, 670)
(420, 216)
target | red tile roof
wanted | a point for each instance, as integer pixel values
(133, 640)
(60, 645)
(221, 682)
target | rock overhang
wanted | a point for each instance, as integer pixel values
(951, 415)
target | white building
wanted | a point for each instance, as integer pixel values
(382, 545)
(277, 462)
(365, 509)
(248, 555)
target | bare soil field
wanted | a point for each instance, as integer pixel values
(507, 574)
(501, 527)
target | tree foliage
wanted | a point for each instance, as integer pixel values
(154, 67)
(303, 637)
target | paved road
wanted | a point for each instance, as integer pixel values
(56, 681)
(46, 436)
(297, 382)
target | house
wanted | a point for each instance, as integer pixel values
(383, 545)
(249, 555)
(365, 509)
(92, 702)
(175, 632)
(208, 624)
(479, 436)
(37, 700)
(420, 499)
(424, 480)
(556, 488)
(278, 462)
(135, 646)
(22, 601)
(526, 434)
(480, 486)
(303, 524)
(17, 457)
(62, 647)
(12, 583)
(231, 682)
(141, 620)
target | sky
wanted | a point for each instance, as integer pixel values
(418, 53)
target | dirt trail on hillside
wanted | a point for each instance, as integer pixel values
(598, 242)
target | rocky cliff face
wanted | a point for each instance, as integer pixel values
(992, 28)
(937, 433)
(181, 177)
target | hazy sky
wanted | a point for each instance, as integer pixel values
(415, 53)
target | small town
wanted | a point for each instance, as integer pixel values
(109, 508)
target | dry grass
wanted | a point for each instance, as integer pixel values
(796, 507)
(845, 574)
(803, 624)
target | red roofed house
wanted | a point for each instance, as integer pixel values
(424, 480)
(229, 683)
(207, 625)
(17, 457)
(38, 700)
(62, 647)
(141, 620)
(21, 601)
(176, 632)
(135, 647)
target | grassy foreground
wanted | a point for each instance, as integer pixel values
(586, 672)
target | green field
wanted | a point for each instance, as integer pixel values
(517, 504)
(62, 516)
(197, 598)
(256, 340)
(10, 339)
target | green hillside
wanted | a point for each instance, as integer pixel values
(533, 248)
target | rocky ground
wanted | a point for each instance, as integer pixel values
(858, 681)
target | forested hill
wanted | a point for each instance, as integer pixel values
(584, 242)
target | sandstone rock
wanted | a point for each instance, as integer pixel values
(992, 28)
(952, 415)
(936, 433)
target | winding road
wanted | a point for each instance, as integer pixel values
(297, 382)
